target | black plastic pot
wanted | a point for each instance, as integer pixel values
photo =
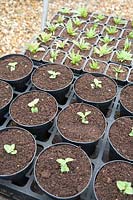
(75, 197)
(21, 173)
(5, 108)
(40, 130)
(123, 109)
(60, 93)
(88, 147)
(103, 106)
(19, 84)
(114, 154)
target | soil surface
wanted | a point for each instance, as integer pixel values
(129, 25)
(115, 59)
(84, 90)
(112, 23)
(105, 58)
(5, 94)
(101, 65)
(65, 35)
(131, 76)
(23, 68)
(122, 42)
(126, 33)
(105, 184)
(51, 179)
(85, 52)
(59, 59)
(41, 77)
(25, 146)
(126, 97)
(66, 47)
(110, 44)
(36, 56)
(121, 76)
(71, 127)
(119, 136)
(21, 112)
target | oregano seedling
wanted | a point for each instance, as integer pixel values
(53, 74)
(125, 187)
(10, 149)
(12, 66)
(83, 116)
(63, 164)
(33, 105)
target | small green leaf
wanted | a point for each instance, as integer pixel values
(125, 187)
(131, 133)
(33, 106)
(53, 74)
(63, 164)
(10, 149)
(34, 110)
(69, 28)
(83, 116)
(12, 66)
(96, 84)
(75, 57)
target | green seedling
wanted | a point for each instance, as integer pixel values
(10, 149)
(53, 74)
(77, 21)
(53, 55)
(124, 55)
(117, 71)
(65, 10)
(69, 28)
(130, 35)
(111, 30)
(96, 84)
(83, 116)
(33, 105)
(131, 133)
(91, 33)
(118, 21)
(45, 37)
(60, 19)
(125, 187)
(75, 57)
(127, 44)
(106, 39)
(99, 17)
(61, 44)
(82, 12)
(102, 50)
(81, 44)
(63, 164)
(52, 27)
(12, 66)
(34, 47)
(94, 65)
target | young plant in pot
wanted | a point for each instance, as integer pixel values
(93, 28)
(125, 44)
(89, 87)
(78, 23)
(130, 77)
(54, 28)
(6, 95)
(45, 39)
(121, 128)
(93, 66)
(82, 12)
(63, 45)
(63, 171)
(99, 18)
(54, 56)
(112, 31)
(34, 111)
(90, 35)
(126, 103)
(66, 12)
(114, 181)
(128, 33)
(110, 41)
(53, 78)
(18, 150)
(117, 21)
(81, 124)
(16, 70)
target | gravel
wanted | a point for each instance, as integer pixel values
(21, 19)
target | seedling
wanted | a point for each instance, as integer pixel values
(125, 187)
(61, 44)
(77, 21)
(117, 71)
(34, 47)
(45, 37)
(124, 55)
(81, 44)
(130, 35)
(131, 133)
(111, 30)
(33, 105)
(69, 28)
(91, 33)
(75, 57)
(106, 39)
(94, 65)
(53, 55)
(12, 66)
(102, 50)
(96, 84)
(99, 17)
(82, 12)
(127, 44)
(52, 27)
(10, 149)
(118, 21)
(64, 10)
(63, 164)
(60, 19)
(53, 74)
(83, 116)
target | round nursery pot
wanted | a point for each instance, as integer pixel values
(105, 182)
(38, 118)
(82, 133)
(16, 70)
(120, 139)
(53, 78)
(126, 100)
(62, 183)
(100, 96)
(15, 162)
(6, 95)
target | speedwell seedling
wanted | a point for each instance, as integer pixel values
(125, 187)
(10, 149)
